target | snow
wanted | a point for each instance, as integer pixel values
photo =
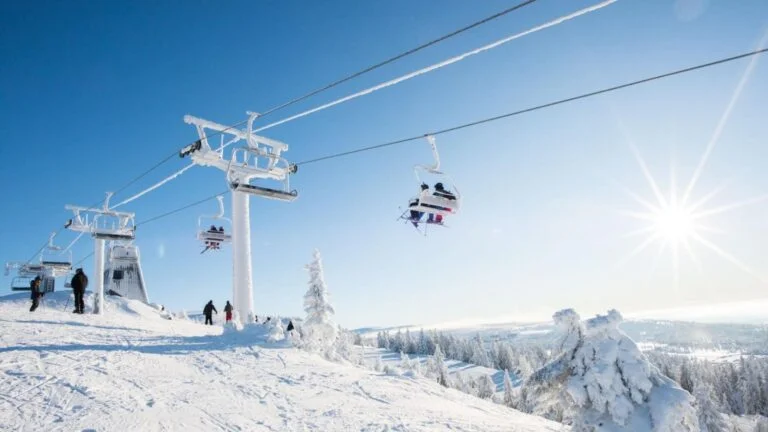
(608, 383)
(133, 368)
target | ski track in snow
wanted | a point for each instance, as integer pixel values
(130, 369)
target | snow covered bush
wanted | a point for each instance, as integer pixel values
(603, 382)
(276, 332)
(318, 331)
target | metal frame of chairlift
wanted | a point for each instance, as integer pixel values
(431, 203)
(122, 229)
(243, 164)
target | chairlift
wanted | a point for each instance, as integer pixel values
(211, 232)
(244, 169)
(438, 203)
(21, 283)
(113, 226)
(60, 262)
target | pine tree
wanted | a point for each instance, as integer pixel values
(710, 419)
(485, 387)
(509, 398)
(686, 381)
(319, 329)
(441, 371)
(479, 355)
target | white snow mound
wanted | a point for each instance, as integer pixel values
(134, 369)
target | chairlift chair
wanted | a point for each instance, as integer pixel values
(58, 261)
(113, 226)
(207, 231)
(21, 283)
(434, 202)
(241, 173)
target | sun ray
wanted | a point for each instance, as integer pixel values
(709, 229)
(641, 247)
(723, 121)
(692, 255)
(706, 198)
(730, 207)
(647, 174)
(728, 257)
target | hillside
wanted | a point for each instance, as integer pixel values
(133, 369)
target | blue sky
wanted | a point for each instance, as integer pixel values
(92, 93)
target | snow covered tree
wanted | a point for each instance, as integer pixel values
(440, 370)
(276, 332)
(509, 398)
(319, 331)
(710, 419)
(485, 387)
(605, 379)
(378, 366)
(479, 354)
(686, 381)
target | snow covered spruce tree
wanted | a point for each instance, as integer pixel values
(318, 330)
(606, 384)
(710, 419)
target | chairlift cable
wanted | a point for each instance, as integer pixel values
(341, 81)
(389, 83)
(399, 56)
(83, 259)
(539, 107)
(152, 219)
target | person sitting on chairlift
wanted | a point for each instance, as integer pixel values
(415, 214)
(442, 193)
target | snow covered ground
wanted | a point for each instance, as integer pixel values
(468, 371)
(132, 369)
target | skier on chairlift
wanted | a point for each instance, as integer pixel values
(440, 192)
(415, 214)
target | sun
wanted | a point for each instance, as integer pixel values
(674, 223)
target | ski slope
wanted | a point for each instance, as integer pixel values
(133, 369)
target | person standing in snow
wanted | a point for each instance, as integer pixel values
(79, 283)
(228, 310)
(34, 287)
(208, 311)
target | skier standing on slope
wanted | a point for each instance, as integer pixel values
(208, 311)
(78, 284)
(34, 286)
(228, 310)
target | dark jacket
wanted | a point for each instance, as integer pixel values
(228, 307)
(79, 281)
(34, 287)
(209, 309)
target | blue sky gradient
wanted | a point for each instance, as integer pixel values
(92, 93)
